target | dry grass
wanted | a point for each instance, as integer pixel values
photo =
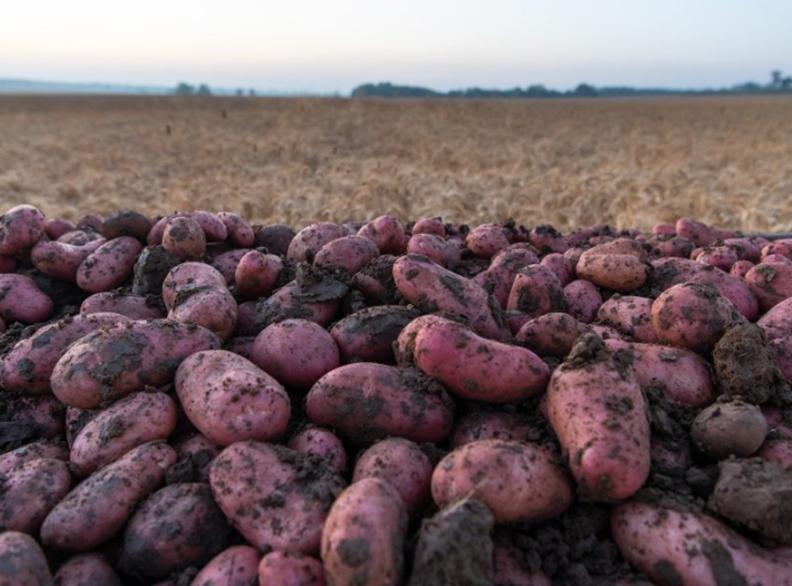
(632, 163)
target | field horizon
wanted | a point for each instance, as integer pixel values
(631, 162)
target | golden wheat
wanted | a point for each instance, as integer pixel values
(627, 162)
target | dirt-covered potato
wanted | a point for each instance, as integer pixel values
(236, 566)
(368, 334)
(22, 561)
(257, 273)
(126, 223)
(498, 278)
(536, 291)
(131, 306)
(36, 450)
(60, 259)
(582, 300)
(387, 233)
(21, 300)
(87, 569)
(503, 425)
(310, 240)
(109, 265)
(320, 442)
(240, 233)
(732, 428)
(30, 491)
(289, 569)
(20, 228)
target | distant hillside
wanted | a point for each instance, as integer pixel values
(24, 86)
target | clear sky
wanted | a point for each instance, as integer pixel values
(327, 45)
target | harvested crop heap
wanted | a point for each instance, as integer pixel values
(195, 400)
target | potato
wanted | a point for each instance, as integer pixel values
(22, 560)
(183, 279)
(631, 315)
(80, 237)
(61, 260)
(698, 233)
(741, 268)
(518, 481)
(37, 416)
(363, 538)
(619, 272)
(404, 347)
(176, 527)
(92, 222)
(275, 238)
(674, 547)
(98, 508)
(30, 491)
(536, 291)
(778, 451)
(110, 265)
(214, 228)
(275, 497)
(126, 223)
(240, 233)
(229, 399)
(214, 309)
(486, 240)
(289, 569)
(498, 278)
(582, 300)
(350, 253)
(733, 428)
(547, 239)
(296, 352)
(257, 274)
(722, 257)
(322, 443)
(113, 362)
(8, 264)
(429, 226)
(475, 368)
(21, 300)
(367, 401)
(551, 334)
(400, 463)
(771, 282)
(87, 569)
(683, 376)
(782, 247)
(236, 566)
(599, 414)
(129, 422)
(368, 334)
(29, 364)
(36, 450)
(561, 266)
(290, 302)
(432, 288)
(310, 240)
(226, 263)
(692, 316)
(54, 228)
(184, 237)
(387, 233)
(436, 248)
(502, 425)
(131, 306)
(20, 228)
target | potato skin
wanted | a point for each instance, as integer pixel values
(21, 300)
(184, 237)
(536, 291)
(176, 527)
(285, 569)
(20, 228)
(619, 272)
(777, 322)
(310, 240)
(30, 491)
(502, 425)
(387, 233)
(487, 240)
(43, 413)
(22, 560)
(275, 497)
(599, 414)
(126, 223)
(582, 300)
(475, 368)
(631, 315)
(236, 566)
(129, 422)
(98, 508)
(286, 303)
(368, 335)
(731, 428)
(551, 334)
(363, 537)
(113, 362)
(29, 452)
(188, 277)
(366, 401)
(229, 399)
(668, 545)
(498, 278)
(350, 253)
(240, 233)
(771, 282)
(110, 265)
(88, 569)
(131, 306)
(61, 260)
(322, 443)
(257, 273)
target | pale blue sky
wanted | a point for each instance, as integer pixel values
(295, 45)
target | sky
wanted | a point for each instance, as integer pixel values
(331, 46)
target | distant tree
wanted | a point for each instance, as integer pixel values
(585, 90)
(240, 92)
(252, 93)
(203, 90)
(184, 89)
(786, 83)
(775, 79)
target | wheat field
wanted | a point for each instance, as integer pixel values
(725, 160)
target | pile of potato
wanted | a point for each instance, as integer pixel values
(195, 400)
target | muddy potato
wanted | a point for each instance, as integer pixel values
(631, 315)
(240, 233)
(366, 401)
(257, 274)
(320, 442)
(582, 300)
(486, 240)
(503, 425)
(536, 291)
(289, 569)
(30, 491)
(214, 309)
(61, 260)
(227, 262)
(498, 278)
(98, 508)
(54, 228)
(22, 561)
(184, 237)
(110, 265)
(185, 278)
(236, 566)
(275, 238)
(126, 223)
(363, 538)
(21, 300)
(771, 282)
(36, 450)
(88, 569)
(619, 272)
(551, 334)
(518, 481)
(288, 302)
(368, 335)
(561, 266)
(434, 247)
(310, 240)
(350, 253)
(732, 428)
(20, 228)
(275, 497)
(129, 422)
(547, 239)
(38, 416)
(429, 226)
(131, 306)
(387, 233)
(229, 399)
(214, 228)
(404, 347)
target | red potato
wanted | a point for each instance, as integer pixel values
(275, 238)
(99, 507)
(33, 451)
(536, 291)
(698, 233)
(683, 376)
(20, 228)
(561, 266)
(582, 300)
(350, 253)
(126, 223)
(439, 250)
(674, 547)
(186, 277)
(619, 272)
(310, 240)
(430, 287)
(367, 401)
(363, 537)
(129, 422)
(91, 222)
(240, 233)
(322, 443)
(781, 352)
(296, 352)
(368, 335)
(257, 273)
(113, 362)
(110, 265)
(722, 257)
(746, 248)
(498, 279)
(387, 233)
(475, 368)
(30, 491)
(480, 425)
(547, 239)
(246, 320)
(214, 309)
(214, 228)
(196, 453)
(693, 316)
(54, 228)
(288, 302)
(184, 237)
(631, 315)
(80, 237)
(667, 229)
(176, 527)
(670, 247)
(599, 414)
(777, 258)
(61, 260)
(22, 561)
(741, 268)
(429, 226)
(44, 414)
(131, 306)
(88, 569)
(515, 320)
(486, 240)
(230, 399)
(236, 566)
(726, 429)
(404, 347)
(288, 569)
(28, 366)
(518, 481)
(782, 247)
(242, 345)
(75, 420)
(551, 334)
(227, 262)
(771, 282)
(403, 465)
(777, 450)
(21, 300)
(275, 497)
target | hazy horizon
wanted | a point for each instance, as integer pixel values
(333, 46)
